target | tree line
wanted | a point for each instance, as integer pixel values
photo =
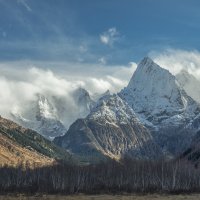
(126, 176)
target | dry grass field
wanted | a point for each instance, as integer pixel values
(13, 154)
(104, 197)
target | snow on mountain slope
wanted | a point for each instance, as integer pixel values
(152, 116)
(45, 109)
(153, 109)
(52, 115)
(97, 96)
(111, 108)
(111, 129)
(84, 101)
(163, 106)
(190, 84)
(156, 96)
(19, 145)
(40, 116)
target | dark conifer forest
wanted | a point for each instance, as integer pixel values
(126, 176)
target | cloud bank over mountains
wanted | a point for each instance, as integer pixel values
(176, 60)
(20, 82)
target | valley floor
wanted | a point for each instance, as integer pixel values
(104, 197)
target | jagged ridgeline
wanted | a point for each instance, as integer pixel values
(152, 117)
(21, 145)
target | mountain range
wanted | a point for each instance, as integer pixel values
(156, 116)
(152, 117)
(19, 145)
(51, 116)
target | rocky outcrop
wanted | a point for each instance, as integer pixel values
(110, 130)
(21, 145)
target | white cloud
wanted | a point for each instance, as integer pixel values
(4, 34)
(104, 39)
(20, 82)
(176, 60)
(25, 4)
(83, 48)
(102, 60)
(110, 36)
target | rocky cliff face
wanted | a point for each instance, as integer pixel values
(156, 96)
(42, 117)
(21, 145)
(51, 116)
(110, 130)
(162, 105)
(153, 116)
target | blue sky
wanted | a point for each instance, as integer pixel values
(53, 47)
(96, 31)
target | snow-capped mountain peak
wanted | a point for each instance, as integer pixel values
(112, 109)
(111, 130)
(152, 88)
(83, 100)
(145, 68)
(150, 79)
(154, 93)
(152, 111)
(44, 108)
